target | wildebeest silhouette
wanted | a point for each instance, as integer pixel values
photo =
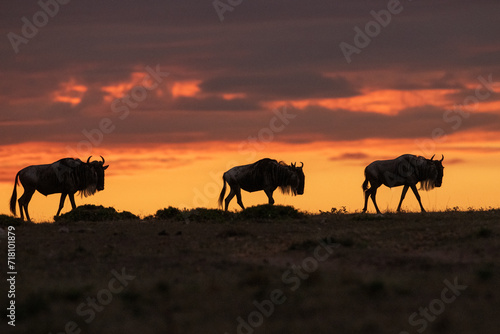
(266, 174)
(406, 170)
(65, 176)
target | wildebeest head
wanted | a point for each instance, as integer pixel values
(435, 173)
(98, 169)
(438, 168)
(297, 179)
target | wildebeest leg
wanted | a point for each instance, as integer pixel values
(24, 200)
(238, 197)
(72, 200)
(61, 203)
(269, 194)
(367, 194)
(27, 214)
(415, 191)
(229, 198)
(373, 193)
(403, 194)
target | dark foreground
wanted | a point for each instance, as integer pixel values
(330, 273)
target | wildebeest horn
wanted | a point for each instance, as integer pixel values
(88, 160)
(302, 164)
(432, 157)
(442, 158)
(102, 159)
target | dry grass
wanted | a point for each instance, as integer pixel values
(200, 277)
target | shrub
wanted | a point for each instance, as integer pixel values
(94, 213)
(203, 214)
(268, 211)
(169, 213)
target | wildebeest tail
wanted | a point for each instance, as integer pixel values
(223, 192)
(365, 185)
(14, 196)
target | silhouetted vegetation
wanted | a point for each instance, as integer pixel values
(168, 213)
(330, 265)
(264, 212)
(271, 212)
(335, 211)
(203, 214)
(9, 220)
(187, 215)
(95, 214)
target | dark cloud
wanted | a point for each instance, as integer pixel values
(293, 126)
(263, 52)
(421, 122)
(214, 104)
(445, 81)
(288, 86)
(470, 98)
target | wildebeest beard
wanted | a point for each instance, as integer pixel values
(428, 184)
(89, 191)
(428, 173)
(284, 175)
(86, 180)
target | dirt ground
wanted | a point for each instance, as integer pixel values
(325, 273)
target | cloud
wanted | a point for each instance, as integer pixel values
(351, 156)
(431, 81)
(262, 54)
(283, 86)
(214, 104)
(469, 97)
(195, 119)
(419, 122)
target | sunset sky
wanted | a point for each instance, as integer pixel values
(174, 93)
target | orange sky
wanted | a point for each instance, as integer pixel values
(143, 180)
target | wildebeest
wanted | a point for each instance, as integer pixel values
(266, 174)
(65, 176)
(406, 170)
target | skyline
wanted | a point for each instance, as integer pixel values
(174, 93)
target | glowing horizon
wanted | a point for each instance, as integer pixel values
(144, 180)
